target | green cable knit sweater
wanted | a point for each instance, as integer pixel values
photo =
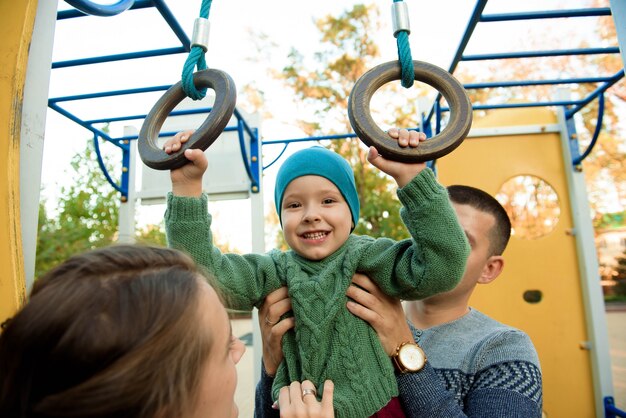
(329, 342)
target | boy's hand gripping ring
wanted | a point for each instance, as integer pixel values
(451, 137)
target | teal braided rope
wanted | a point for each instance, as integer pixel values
(196, 58)
(404, 55)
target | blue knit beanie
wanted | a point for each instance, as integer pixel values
(318, 161)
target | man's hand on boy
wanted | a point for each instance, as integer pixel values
(384, 313)
(186, 180)
(402, 173)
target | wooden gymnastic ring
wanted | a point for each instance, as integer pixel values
(431, 149)
(204, 136)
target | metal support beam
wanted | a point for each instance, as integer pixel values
(593, 301)
(33, 129)
(128, 200)
(618, 9)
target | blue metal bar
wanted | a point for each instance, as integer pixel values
(469, 30)
(520, 105)
(601, 89)
(610, 410)
(166, 134)
(596, 132)
(242, 148)
(103, 167)
(252, 168)
(116, 119)
(107, 94)
(438, 112)
(427, 127)
(278, 157)
(310, 138)
(255, 153)
(239, 116)
(81, 123)
(118, 57)
(173, 23)
(547, 14)
(537, 54)
(102, 10)
(125, 178)
(161, 7)
(574, 146)
(143, 116)
(72, 13)
(495, 84)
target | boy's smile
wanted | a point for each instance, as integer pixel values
(316, 218)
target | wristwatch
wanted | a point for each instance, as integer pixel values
(409, 357)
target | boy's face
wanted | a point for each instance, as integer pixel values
(316, 218)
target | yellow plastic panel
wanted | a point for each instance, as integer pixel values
(16, 26)
(549, 264)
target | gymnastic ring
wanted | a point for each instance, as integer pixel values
(451, 137)
(221, 112)
(91, 8)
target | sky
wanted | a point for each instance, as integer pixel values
(437, 27)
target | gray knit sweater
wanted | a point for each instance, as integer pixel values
(477, 367)
(329, 342)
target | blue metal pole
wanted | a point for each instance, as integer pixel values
(520, 105)
(596, 132)
(173, 23)
(255, 166)
(547, 14)
(72, 13)
(495, 84)
(469, 30)
(610, 410)
(601, 89)
(118, 57)
(538, 54)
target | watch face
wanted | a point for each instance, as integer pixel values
(412, 357)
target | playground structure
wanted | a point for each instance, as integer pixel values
(566, 323)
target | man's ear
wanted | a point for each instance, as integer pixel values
(492, 269)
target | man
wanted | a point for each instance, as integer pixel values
(476, 366)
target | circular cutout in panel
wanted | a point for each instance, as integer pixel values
(532, 205)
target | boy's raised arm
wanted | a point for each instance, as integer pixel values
(244, 279)
(433, 261)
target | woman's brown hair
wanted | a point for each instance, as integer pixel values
(109, 333)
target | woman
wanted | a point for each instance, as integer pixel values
(127, 331)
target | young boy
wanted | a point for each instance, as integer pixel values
(318, 207)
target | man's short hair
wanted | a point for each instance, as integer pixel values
(484, 202)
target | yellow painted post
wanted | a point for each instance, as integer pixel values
(549, 264)
(16, 26)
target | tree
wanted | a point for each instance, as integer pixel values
(619, 275)
(87, 215)
(151, 235)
